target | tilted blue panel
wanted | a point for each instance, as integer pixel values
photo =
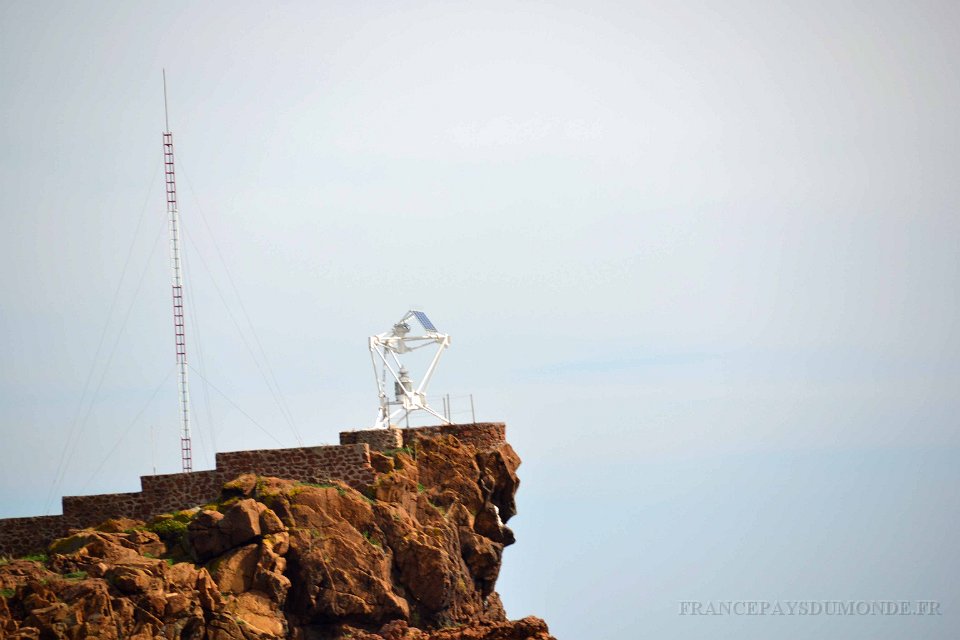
(424, 320)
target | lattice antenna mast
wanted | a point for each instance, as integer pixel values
(186, 446)
(384, 350)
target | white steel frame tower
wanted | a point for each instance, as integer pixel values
(386, 346)
(180, 337)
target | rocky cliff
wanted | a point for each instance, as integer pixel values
(413, 556)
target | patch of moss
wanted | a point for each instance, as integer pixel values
(270, 500)
(183, 516)
(75, 575)
(8, 593)
(36, 557)
(229, 502)
(368, 536)
(317, 485)
(237, 484)
(172, 530)
(420, 487)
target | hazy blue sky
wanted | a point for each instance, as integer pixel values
(702, 258)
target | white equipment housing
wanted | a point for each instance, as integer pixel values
(384, 350)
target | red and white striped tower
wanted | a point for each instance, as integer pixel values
(186, 447)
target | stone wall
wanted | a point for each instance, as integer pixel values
(81, 511)
(482, 435)
(171, 491)
(348, 462)
(20, 536)
(377, 439)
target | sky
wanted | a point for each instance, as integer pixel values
(701, 257)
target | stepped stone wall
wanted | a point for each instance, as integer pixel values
(171, 491)
(348, 462)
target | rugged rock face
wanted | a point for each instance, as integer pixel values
(415, 557)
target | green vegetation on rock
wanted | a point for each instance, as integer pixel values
(171, 530)
(368, 536)
(36, 557)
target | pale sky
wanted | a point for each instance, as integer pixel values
(700, 257)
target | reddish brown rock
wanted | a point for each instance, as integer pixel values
(409, 553)
(120, 525)
(233, 571)
(241, 522)
(211, 533)
(257, 613)
(526, 629)
(242, 486)
(207, 591)
(204, 537)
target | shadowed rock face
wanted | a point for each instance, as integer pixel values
(414, 557)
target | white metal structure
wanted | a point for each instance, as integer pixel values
(384, 351)
(180, 337)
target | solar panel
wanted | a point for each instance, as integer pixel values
(424, 320)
